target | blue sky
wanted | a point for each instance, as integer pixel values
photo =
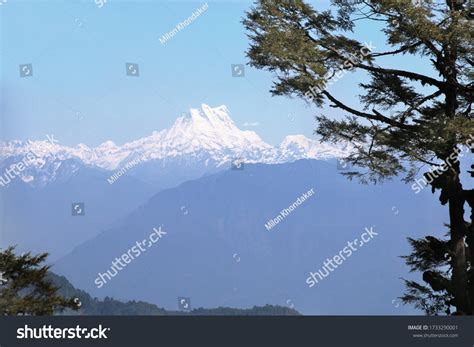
(79, 90)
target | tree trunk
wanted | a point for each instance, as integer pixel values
(470, 245)
(458, 234)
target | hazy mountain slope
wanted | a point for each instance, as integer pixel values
(40, 218)
(218, 252)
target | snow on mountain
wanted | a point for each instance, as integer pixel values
(300, 147)
(206, 134)
(208, 130)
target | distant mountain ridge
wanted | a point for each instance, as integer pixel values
(207, 136)
(218, 251)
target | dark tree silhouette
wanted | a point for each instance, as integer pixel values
(407, 119)
(25, 288)
(431, 256)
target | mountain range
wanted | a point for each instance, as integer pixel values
(36, 204)
(217, 250)
(202, 141)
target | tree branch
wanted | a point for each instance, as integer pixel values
(377, 116)
(400, 50)
(407, 74)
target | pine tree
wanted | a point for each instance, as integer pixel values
(431, 256)
(407, 120)
(25, 288)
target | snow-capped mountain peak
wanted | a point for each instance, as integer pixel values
(206, 129)
(205, 134)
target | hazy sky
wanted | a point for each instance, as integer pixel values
(79, 90)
